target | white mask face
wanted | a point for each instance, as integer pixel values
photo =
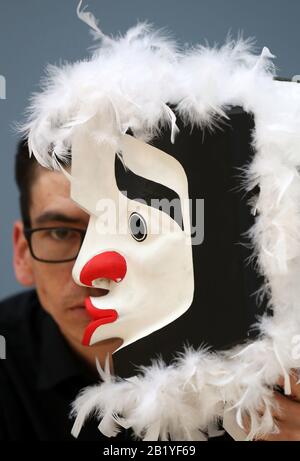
(141, 254)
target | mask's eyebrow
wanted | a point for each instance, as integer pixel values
(154, 194)
(56, 216)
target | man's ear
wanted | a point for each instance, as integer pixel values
(22, 258)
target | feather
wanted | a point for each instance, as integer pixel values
(92, 22)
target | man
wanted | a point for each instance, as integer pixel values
(46, 364)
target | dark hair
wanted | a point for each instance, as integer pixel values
(25, 171)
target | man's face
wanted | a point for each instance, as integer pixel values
(59, 295)
(139, 253)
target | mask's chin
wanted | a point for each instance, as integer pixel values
(111, 344)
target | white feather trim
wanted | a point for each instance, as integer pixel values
(131, 80)
(200, 83)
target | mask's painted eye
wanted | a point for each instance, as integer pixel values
(138, 227)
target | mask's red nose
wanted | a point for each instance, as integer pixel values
(108, 265)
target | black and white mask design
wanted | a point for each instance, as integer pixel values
(141, 254)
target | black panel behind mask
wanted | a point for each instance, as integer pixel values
(225, 305)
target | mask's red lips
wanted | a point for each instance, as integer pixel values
(109, 265)
(100, 317)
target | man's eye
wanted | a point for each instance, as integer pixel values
(138, 227)
(61, 234)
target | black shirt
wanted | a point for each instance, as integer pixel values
(40, 376)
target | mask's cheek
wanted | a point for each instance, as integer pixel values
(168, 278)
(158, 288)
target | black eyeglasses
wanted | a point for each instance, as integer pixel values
(54, 244)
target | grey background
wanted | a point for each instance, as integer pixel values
(36, 32)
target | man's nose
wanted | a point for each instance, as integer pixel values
(107, 265)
